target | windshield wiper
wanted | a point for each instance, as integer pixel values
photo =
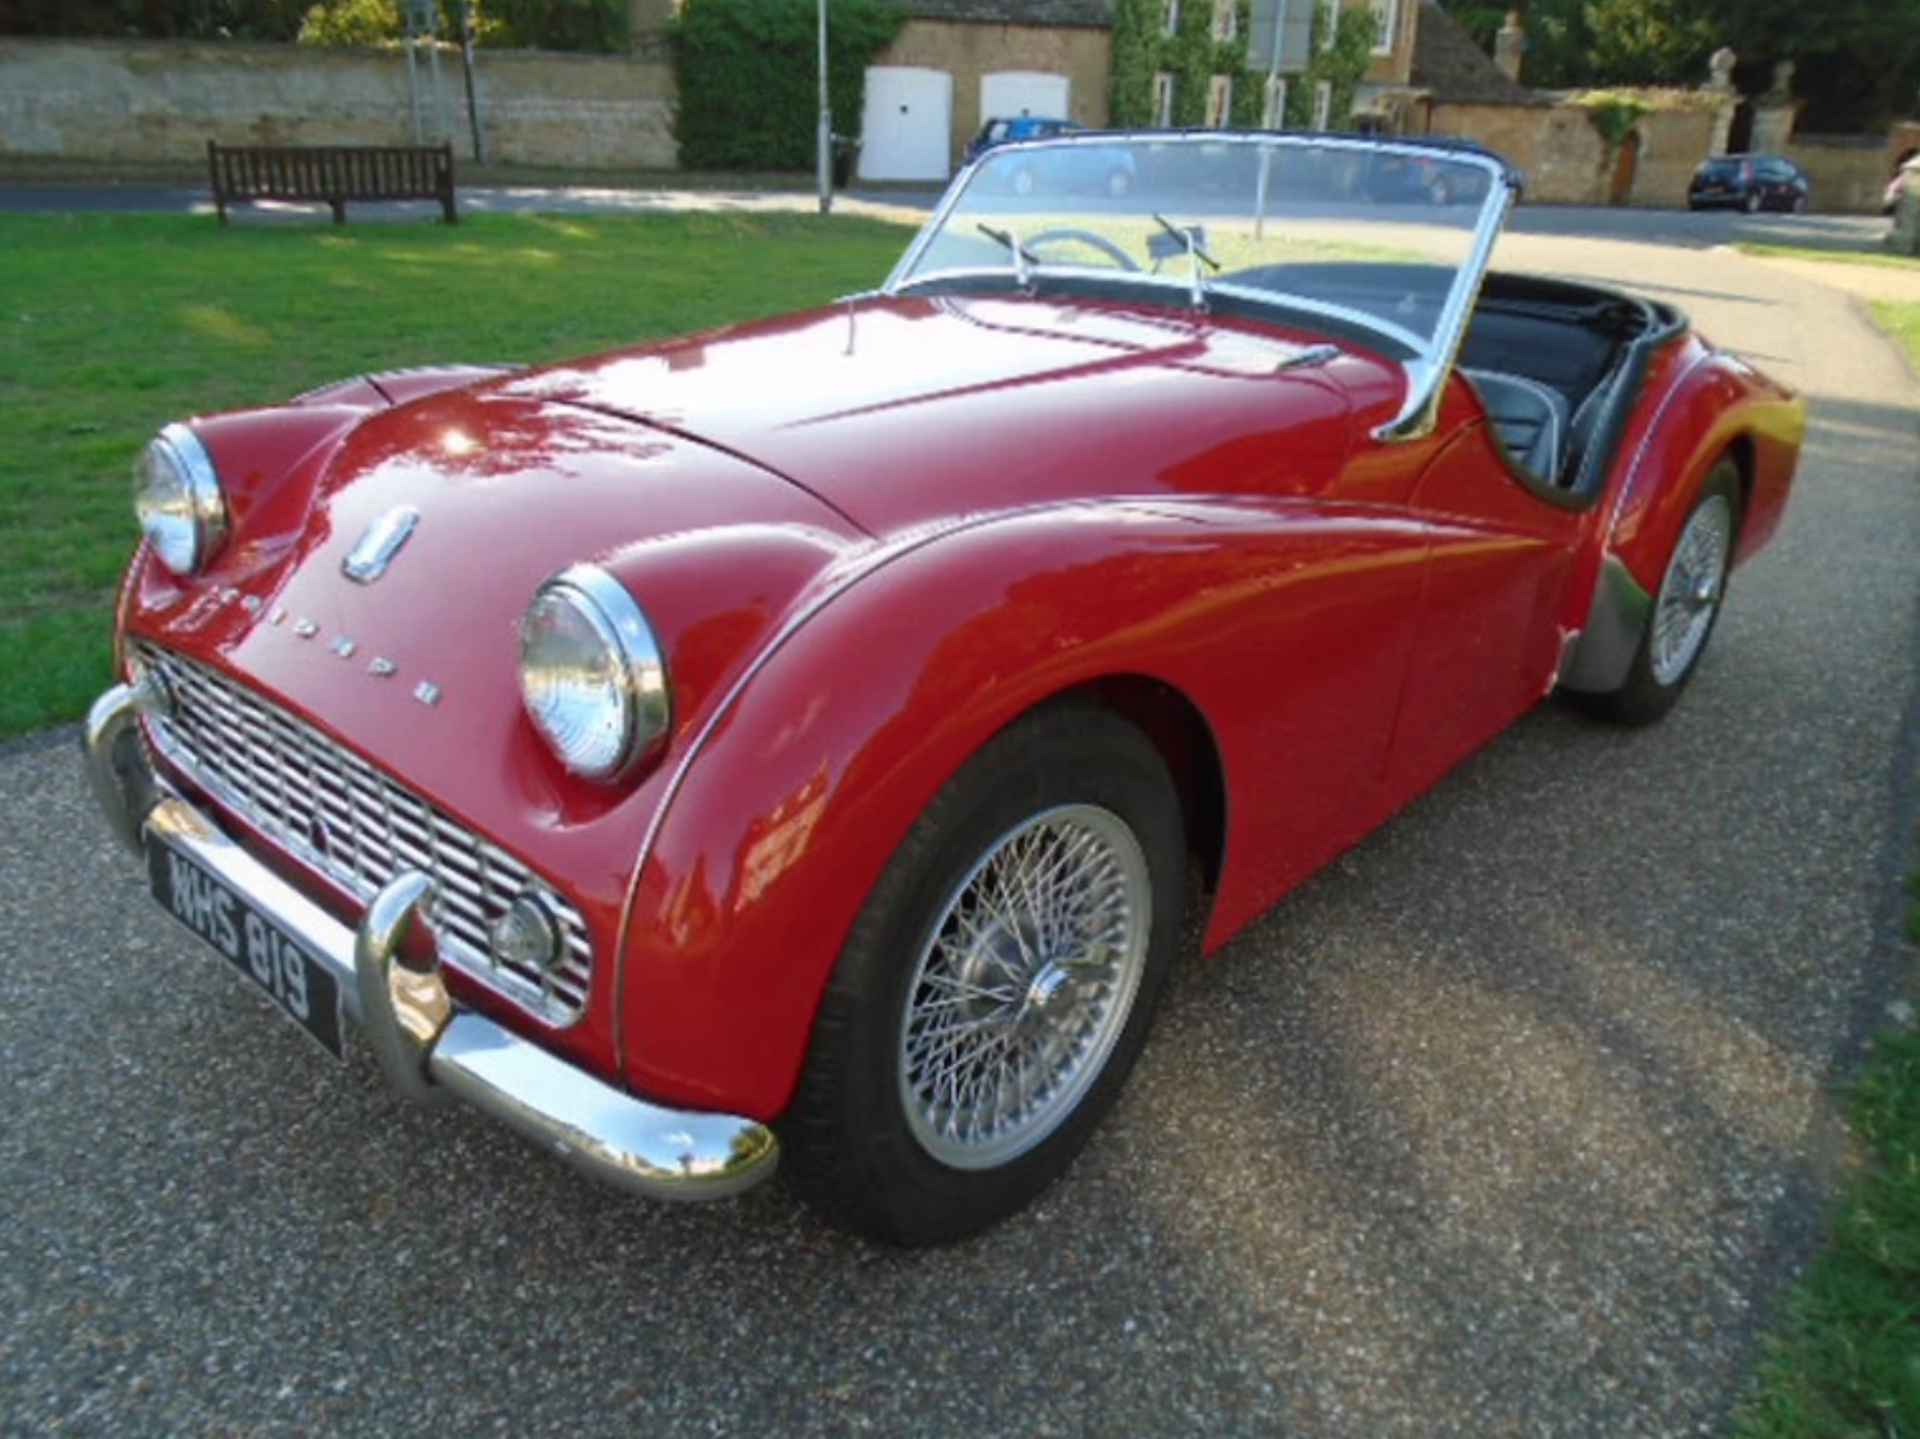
(1024, 260)
(1193, 240)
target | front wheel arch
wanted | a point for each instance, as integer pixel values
(867, 1143)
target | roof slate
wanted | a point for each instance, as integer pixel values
(1448, 63)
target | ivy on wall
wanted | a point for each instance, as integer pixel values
(748, 76)
(1135, 61)
(1341, 49)
(1339, 60)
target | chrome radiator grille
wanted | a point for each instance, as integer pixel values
(339, 814)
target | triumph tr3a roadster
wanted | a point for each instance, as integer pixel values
(813, 741)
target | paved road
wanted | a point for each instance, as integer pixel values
(1513, 1122)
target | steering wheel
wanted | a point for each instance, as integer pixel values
(1088, 238)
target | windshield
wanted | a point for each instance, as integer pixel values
(1388, 237)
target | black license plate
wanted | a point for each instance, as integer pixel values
(303, 988)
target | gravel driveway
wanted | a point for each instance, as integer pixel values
(1513, 1122)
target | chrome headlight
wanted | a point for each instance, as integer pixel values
(176, 495)
(591, 673)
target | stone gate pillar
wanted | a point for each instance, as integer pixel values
(1775, 112)
(1720, 85)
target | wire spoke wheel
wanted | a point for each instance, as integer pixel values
(1024, 986)
(1690, 592)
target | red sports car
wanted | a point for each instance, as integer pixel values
(810, 741)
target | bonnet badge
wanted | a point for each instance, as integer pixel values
(380, 543)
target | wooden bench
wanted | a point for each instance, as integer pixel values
(333, 173)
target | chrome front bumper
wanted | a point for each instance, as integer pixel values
(424, 1043)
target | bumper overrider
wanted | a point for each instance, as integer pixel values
(424, 1043)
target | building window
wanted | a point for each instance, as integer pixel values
(1226, 20)
(1220, 100)
(1385, 15)
(1163, 99)
(1170, 18)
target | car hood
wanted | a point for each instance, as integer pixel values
(909, 413)
(728, 481)
(417, 662)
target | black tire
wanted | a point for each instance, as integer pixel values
(955, 974)
(1693, 587)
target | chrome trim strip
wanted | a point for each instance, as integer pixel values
(1616, 621)
(425, 1046)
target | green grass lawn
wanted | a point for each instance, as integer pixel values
(1902, 321)
(112, 325)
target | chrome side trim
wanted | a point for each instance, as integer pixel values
(425, 1046)
(1616, 621)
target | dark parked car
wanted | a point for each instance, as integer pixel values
(1748, 182)
(1086, 168)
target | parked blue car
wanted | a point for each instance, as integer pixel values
(1087, 167)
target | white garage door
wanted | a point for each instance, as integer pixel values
(1024, 92)
(903, 135)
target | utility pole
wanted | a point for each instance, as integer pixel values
(473, 99)
(823, 140)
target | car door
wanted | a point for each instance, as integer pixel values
(1501, 553)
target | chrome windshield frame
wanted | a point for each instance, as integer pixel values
(1427, 359)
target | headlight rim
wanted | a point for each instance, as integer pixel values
(206, 519)
(646, 691)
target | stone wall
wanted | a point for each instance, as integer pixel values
(1565, 159)
(968, 52)
(152, 101)
(1847, 174)
(1558, 151)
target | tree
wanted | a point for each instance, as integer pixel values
(1858, 61)
(1648, 42)
(747, 76)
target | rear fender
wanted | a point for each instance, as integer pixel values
(1716, 405)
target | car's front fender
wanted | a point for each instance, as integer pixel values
(1283, 629)
(787, 808)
